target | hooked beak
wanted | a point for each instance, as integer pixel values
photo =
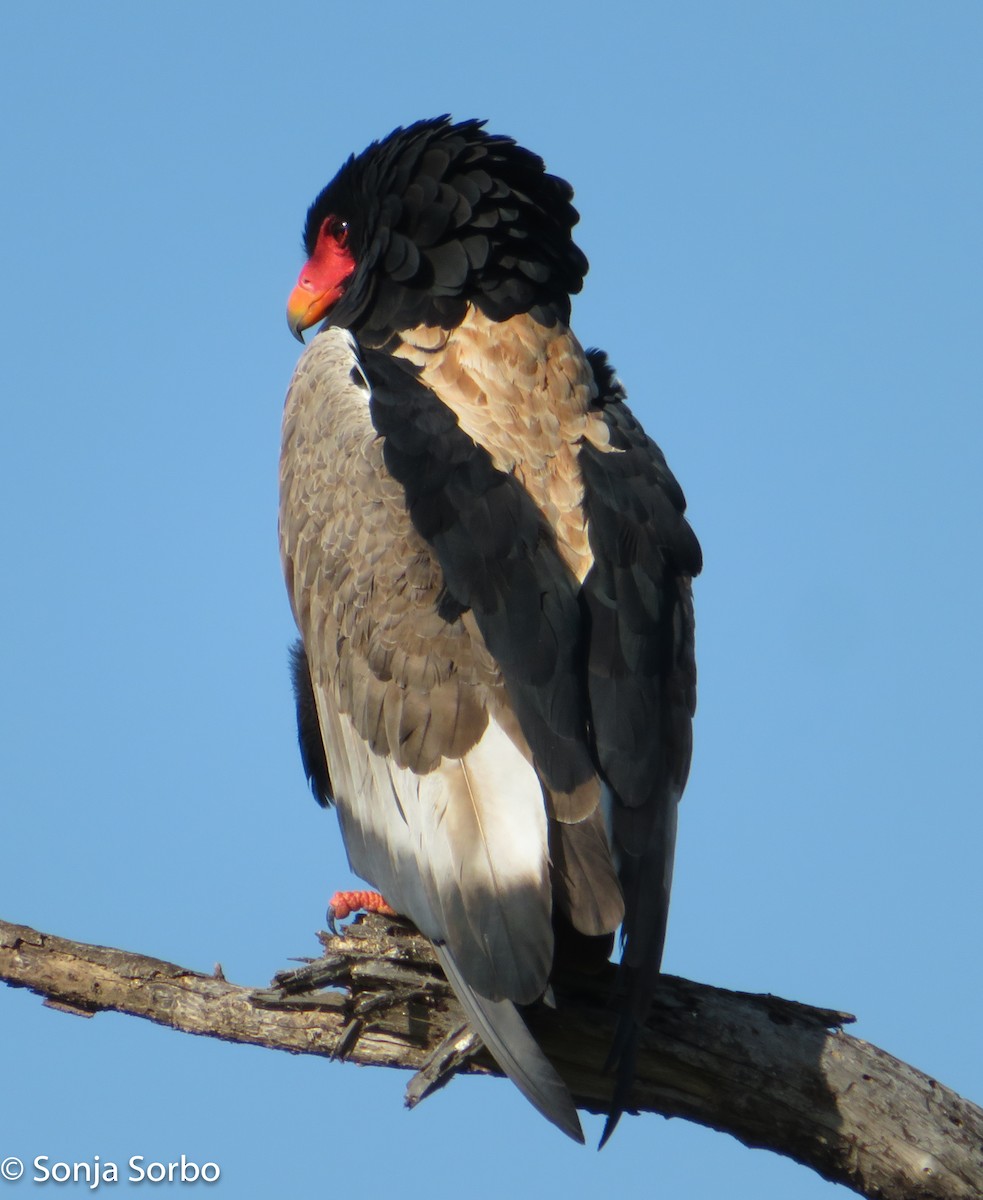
(306, 307)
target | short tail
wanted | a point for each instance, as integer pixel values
(515, 1050)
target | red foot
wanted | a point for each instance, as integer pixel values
(343, 904)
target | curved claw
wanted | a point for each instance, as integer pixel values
(343, 904)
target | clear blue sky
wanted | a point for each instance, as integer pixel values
(781, 204)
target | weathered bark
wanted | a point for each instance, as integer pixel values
(774, 1073)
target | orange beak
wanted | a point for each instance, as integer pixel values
(323, 280)
(307, 305)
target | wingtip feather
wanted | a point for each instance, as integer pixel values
(622, 1059)
(515, 1050)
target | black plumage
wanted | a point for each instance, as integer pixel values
(312, 756)
(499, 561)
(441, 215)
(641, 680)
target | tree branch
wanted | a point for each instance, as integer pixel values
(773, 1073)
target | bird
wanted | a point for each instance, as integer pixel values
(490, 567)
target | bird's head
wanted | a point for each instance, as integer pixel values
(431, 218)
(326, 273)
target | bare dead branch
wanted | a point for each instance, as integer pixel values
(774, 1073)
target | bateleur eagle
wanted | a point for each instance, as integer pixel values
(490, 568)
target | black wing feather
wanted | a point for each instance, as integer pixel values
(309, 738)
(499, 560)
(642, 684)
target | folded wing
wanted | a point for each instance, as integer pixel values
(440, 806)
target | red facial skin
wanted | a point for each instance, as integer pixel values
(323, 279)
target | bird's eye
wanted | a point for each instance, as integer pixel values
(335, 228)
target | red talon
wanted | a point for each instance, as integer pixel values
(343, 904)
